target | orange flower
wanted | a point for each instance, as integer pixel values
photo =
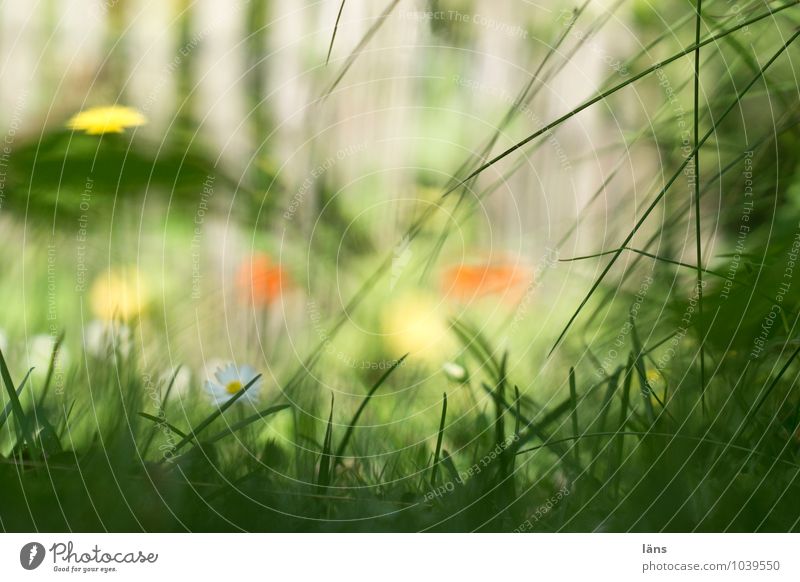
(467, 282)
(260, 281)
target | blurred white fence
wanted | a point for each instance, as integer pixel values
(57, 56)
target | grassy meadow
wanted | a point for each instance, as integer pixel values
(440, 265)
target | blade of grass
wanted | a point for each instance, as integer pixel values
(335, 28)
(573, 396)
(607, 93)
(614, 468)
(360, 47)
(350, 427)
(7, 410)
(324, 475)
(523, 100)
(22, 423)
(162, 422)
(769, 390)
(500, 402)
(170, 385)
(447, 463)
(667, 186)
(517, 425)
(439, 438)
(236, 426)
(164, 399)
(662, 260)
(666, 435)
(768, 137)
(606, 407)
(697, 235)
(476, 344)
(644, 383)
(67, 415)
(192, 435)
(49, 442)
(416, 227)
(52, 365)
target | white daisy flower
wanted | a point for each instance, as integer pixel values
(3, 342)
(211, 365)
(229, 379)
(102, 338)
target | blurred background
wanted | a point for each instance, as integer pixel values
(236, 98)
(301, 195)
(247, 152)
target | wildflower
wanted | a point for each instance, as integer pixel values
(454, 372)
(229, 379)
(111, 119)
(3, 342)
(119, 294)
(40, 353)
(654, 376)
(261, 282)
(467, 282)
(104, 337)
(416, 324)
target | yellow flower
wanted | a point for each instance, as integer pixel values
(417, 324)
(111, 119)
(654, 376)
(119, 294)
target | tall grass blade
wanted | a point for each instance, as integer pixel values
(350, 427)
(192, 435)
(325, 465)
(8, 407)
(608, 397)
(52, 365)
(162, 422)
(614, 468)
(697, 234)
(439, 438)
(164, 399)
(573, 396)
(644, 383)
(607, 93)
(245, 422)
(24, 429)
(667, 186)
(335, 28)
(361, 46)
(754, 410)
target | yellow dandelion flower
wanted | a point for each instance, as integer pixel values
(417, 324)
(111, 119)
(119, 294)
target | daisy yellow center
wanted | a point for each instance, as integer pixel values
(233, 386)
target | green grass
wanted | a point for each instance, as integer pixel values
(649, 422)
